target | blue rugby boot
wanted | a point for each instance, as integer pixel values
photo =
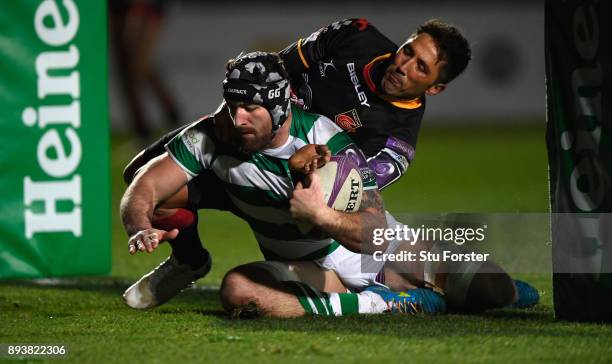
(412, 301)
(528, 295)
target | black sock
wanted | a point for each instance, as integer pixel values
(187, 247)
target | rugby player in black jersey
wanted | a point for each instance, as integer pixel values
(375, 90)
(353, 74)
(372, 88)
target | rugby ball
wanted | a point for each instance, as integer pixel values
(341, 183)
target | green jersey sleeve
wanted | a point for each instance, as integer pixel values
(193, 149)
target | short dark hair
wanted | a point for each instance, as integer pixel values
(453, 48)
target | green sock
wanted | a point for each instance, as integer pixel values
(323, 303)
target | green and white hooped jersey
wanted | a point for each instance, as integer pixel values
(260, 185)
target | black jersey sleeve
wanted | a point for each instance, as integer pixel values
(320, 45)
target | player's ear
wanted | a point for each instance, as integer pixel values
(435, 89)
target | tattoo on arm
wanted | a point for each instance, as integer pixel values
(372, 216)
(372, 199)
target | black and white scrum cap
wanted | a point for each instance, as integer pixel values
(259, 78)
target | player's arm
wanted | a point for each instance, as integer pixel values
(391, 162)
(158, 180)
(353, 230)
(388, 165)
(322, 44)
(187, 155)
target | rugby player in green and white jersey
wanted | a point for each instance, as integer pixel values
(304, 272)
(316, 272)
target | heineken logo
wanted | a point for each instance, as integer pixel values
(57, 117)
(586, 182)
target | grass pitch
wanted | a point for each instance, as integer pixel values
(489, 169)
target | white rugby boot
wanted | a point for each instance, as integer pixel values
(163, 283)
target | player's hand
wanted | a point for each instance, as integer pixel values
(309, 158)
(149, 239)
(307, 203)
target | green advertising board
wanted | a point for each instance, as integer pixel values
(54, 132)
(579, 138)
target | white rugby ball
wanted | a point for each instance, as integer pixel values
(342, 188)
(341, 184)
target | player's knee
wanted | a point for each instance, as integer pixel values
(490, 288)
(237, 295)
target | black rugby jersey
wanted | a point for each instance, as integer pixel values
(336, 71)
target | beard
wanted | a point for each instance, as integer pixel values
(253, 142)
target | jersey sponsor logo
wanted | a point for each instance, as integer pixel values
(192, 137)
(323, 67)
(348, 120)
(363, 99)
